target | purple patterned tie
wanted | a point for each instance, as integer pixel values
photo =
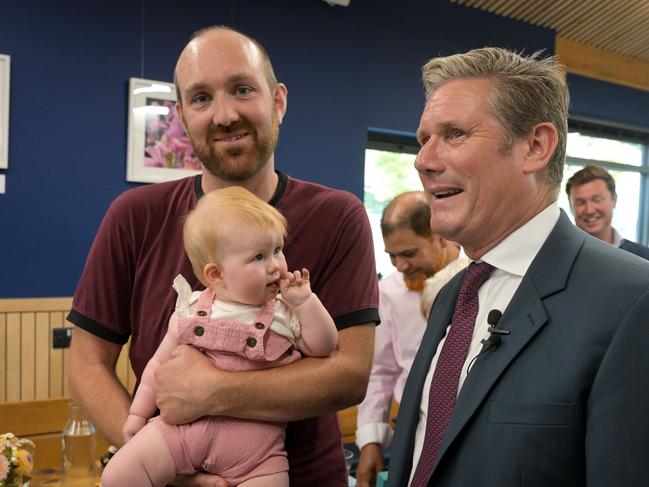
(443, 387)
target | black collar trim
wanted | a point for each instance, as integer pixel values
(274, 201)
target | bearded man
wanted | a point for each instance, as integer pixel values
(231, 106)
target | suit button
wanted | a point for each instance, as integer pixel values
(259, 326)
(251, 342)
(201, 312)
(198, 331)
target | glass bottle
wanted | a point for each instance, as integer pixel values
(78, 450)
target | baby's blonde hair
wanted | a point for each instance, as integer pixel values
(202, 234)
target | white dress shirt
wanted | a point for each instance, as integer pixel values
(396, 342)
(510, 258)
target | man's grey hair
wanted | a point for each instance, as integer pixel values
(528, 90)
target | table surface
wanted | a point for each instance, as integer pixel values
(48, 477)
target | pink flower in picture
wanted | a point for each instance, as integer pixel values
(167, 145)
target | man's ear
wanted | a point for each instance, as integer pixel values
(280, 100)
(540, 146)
(212, 275)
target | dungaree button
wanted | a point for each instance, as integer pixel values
(259, 326)
(251, 342)
(201, 312)
(198, 331)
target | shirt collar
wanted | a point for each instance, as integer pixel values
(515, 254)
(617, 238)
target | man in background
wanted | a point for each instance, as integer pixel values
(533, 367)
(231, 106)
(417, 253)
(592, 195)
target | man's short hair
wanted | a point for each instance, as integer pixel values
(588, 174)
(203, 234)
(528, 90)
(269, 72)
(413, 214)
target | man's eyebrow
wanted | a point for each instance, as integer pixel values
(233, 79)
(239, 77)
(200, 86)
(404, 251)
(437, 127)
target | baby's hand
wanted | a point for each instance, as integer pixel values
(133, 424)
(295, 287)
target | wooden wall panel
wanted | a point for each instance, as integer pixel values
(66, 388)
(42, 356)
(3, 357)
(56, 358)
(34, 393)
(13, 352)
(30, 369)
(27, 356)
(124, 370)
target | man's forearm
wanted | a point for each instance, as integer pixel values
(94, 385)
(189, 386)
(306, 388)
(105, 401)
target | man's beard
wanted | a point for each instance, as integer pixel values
(416, 283)
(237, 164)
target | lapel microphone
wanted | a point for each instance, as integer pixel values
(494, 340)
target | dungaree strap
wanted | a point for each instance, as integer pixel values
(266, 313)
(204, 305)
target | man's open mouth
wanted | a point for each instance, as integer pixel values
(445, 193)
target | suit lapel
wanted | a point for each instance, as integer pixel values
(524, 317)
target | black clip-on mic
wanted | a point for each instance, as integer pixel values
(494, 340)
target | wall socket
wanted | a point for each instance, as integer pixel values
(61, 337)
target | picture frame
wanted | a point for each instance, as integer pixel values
(158, 149)
(5, 64)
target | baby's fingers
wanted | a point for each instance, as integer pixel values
(297, 277)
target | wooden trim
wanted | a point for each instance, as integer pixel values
(597, 63)
(19, 305)
(42, 422)
(34, 417)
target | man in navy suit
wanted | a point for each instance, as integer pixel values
(592, 195)
(557, 395)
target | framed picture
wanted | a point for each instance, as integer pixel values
(4, 111)
(158, 149)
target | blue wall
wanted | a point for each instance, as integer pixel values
(614, 103)
(347, 69)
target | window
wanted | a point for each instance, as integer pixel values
(624, 152)
(389, 171)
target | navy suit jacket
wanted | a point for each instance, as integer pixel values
(564, 400)
(635, 248)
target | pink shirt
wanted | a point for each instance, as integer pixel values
(396, 342)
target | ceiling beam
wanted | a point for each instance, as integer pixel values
(597, 63)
